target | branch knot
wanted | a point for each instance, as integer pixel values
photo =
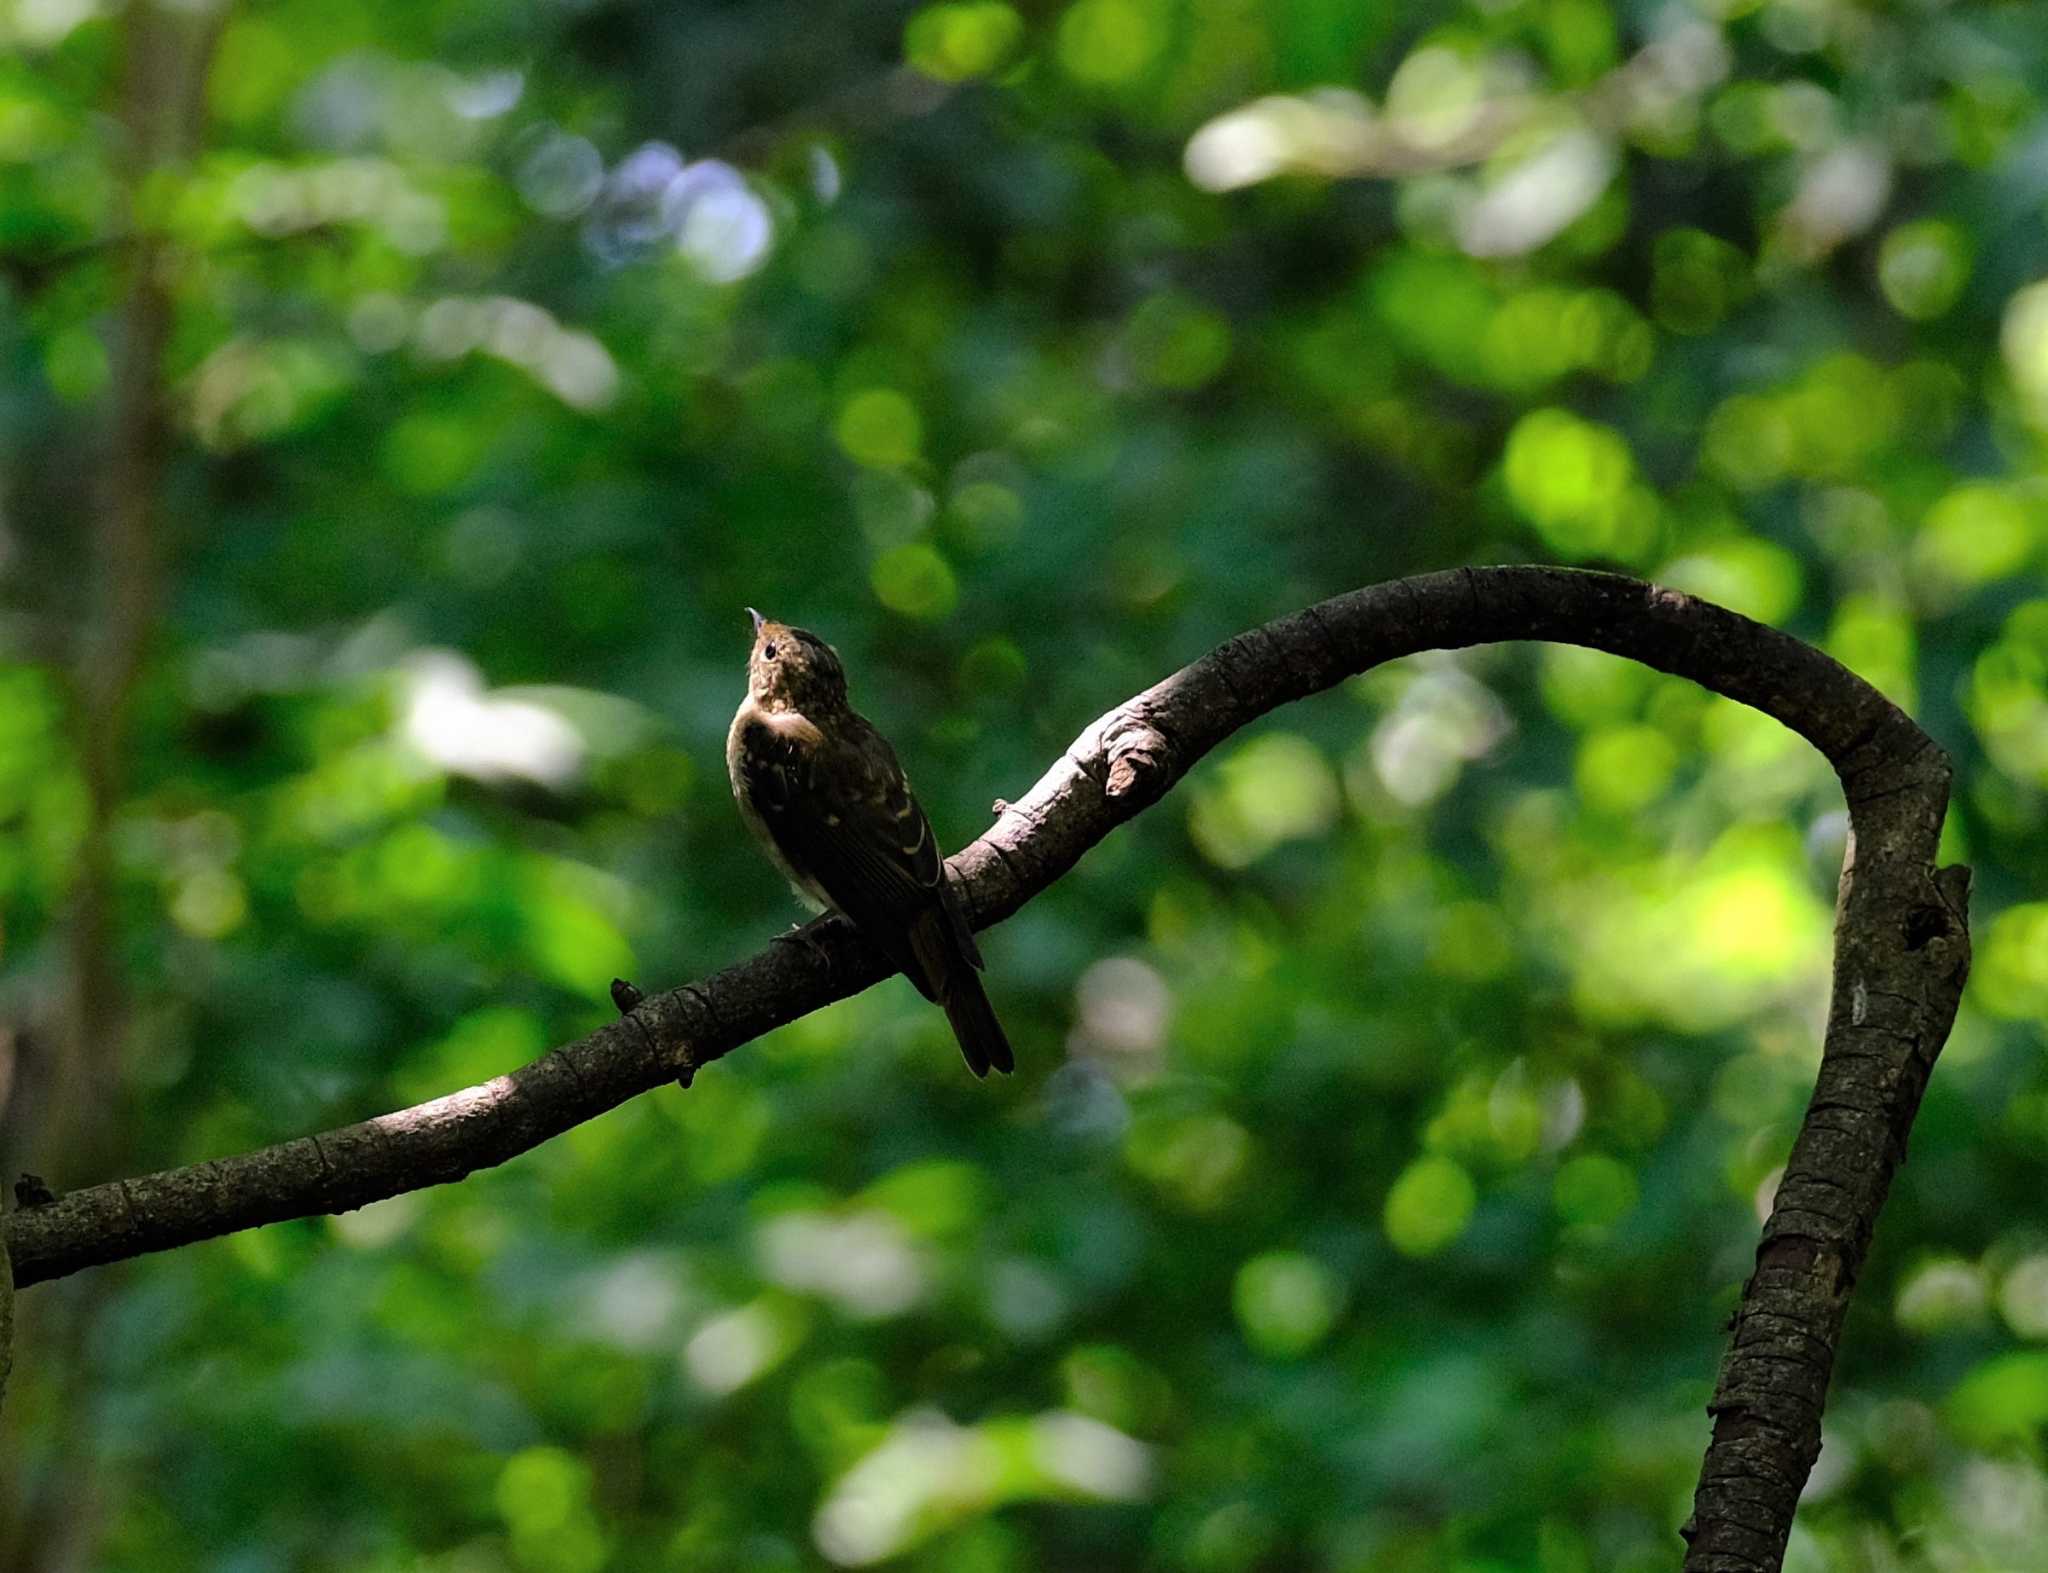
(1139, 757)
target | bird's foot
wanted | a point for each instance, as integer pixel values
(811, 936)
(31, 1191)
(625, 996)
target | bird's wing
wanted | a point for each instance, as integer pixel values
(840, 809)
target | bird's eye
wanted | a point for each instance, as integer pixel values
(768, 651)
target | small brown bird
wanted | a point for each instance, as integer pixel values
(822, 790)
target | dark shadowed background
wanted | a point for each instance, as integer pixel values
(400, 401)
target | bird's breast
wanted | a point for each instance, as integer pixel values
(755, 741)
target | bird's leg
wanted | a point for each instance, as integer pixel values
(811, 936)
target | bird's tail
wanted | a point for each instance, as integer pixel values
(982, 1040)
(942, 963)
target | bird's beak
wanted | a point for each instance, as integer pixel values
(758, 621)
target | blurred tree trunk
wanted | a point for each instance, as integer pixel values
(68, 1110)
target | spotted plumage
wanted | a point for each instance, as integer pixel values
(823, 792)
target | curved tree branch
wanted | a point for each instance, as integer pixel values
(1902, 951)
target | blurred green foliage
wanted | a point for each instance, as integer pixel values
(1397, 1100)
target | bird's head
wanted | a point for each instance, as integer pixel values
(793, 669)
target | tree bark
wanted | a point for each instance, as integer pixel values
(1902, 952)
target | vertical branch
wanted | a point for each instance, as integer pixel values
(1902, 953)
(125, 569)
